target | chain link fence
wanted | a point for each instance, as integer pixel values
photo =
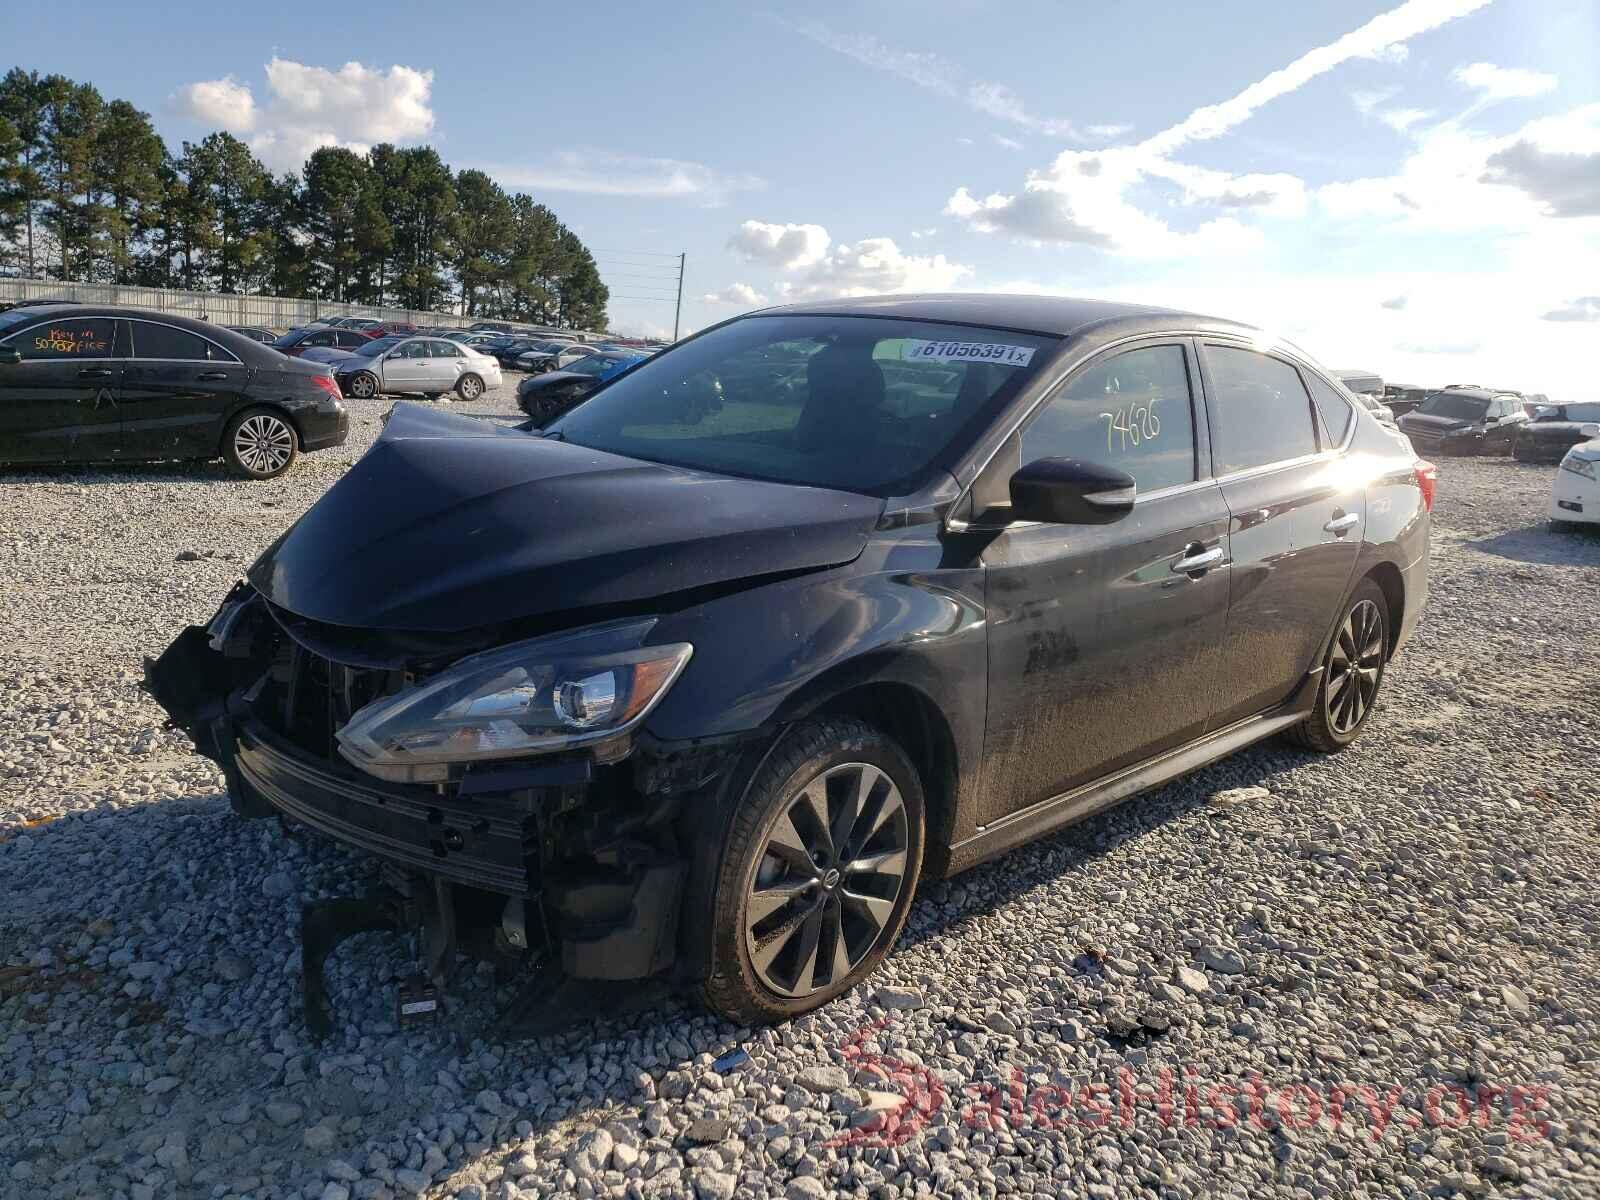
(274, 312)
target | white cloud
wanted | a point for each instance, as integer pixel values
(1584, 308)
(598, 173)
(1374, 39)
(873, 266)
(1006, 143)
(925, 233)
(1088, 196)
(936, 74)
(308, 107)
(1402, 119)
(1504, 83)
(357, 101)
(786, 246)
(224, 103)
(1108, 132)
(741, 294)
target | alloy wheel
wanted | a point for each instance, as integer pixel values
(1354, 665)
(263, 443)
(827, 880)
(363, 387)
(471, 388)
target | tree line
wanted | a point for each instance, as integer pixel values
(90, 192)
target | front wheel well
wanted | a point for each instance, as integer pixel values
(1387, 576)
(915, 723)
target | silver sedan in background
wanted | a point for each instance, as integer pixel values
(430, 365)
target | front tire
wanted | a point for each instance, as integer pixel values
(1352, 674)
(260, 443)
(819, 864)
(469, 387)
(364, 386)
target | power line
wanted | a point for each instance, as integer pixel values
(654, 253)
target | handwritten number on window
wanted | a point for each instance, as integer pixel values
(1130, 425)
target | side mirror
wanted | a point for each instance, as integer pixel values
(1590, 430)
(10, 356)
(1069, 491)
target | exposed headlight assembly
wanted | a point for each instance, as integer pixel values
(535, 697)
(1579, 466)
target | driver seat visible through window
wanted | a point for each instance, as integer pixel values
(845, 394)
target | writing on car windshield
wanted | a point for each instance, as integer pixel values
(867, 404)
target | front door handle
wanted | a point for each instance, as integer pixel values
(1342, 523)
(95, 373)
(1197, 561)
(209, 376)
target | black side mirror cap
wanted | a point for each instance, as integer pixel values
(10, 356)
(1070, 491)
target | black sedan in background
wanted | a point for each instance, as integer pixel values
(1464, 420)
(328, 337)
(256, 333)
(90, 383)
(699, 681)
(1554, 430)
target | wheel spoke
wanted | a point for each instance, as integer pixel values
(786, 842)
(770, 945)
(805, 978)
(887, 862)
(841, 949)
(765, 901)
(1337, 684)
(813, 803)
(874, 908)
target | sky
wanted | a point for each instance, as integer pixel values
(1410, 187)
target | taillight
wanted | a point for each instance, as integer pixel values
(1427, 481)
(327, 384)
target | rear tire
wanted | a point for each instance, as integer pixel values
(260, 443)
(819, 864)
(469, 387)
(1352, 674)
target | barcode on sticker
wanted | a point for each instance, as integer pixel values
(994, 352)
(412, 1007)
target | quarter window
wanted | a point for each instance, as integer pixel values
(1261, 409)
(165, 341)
(1131, 411)
(1335, 409)
(68, 338)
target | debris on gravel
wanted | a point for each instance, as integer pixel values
(1364, 975)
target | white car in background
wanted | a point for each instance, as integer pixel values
(430, 365)
(1575, 496)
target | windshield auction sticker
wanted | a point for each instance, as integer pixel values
(993, 352)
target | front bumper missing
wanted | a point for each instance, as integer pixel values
(591, 901)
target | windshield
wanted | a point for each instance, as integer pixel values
(378, 345)
(1448, 404)
(594, 364)
(868, 404)
(290, 339)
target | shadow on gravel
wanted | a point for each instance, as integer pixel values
(1544, 545)
(200, 913)
(105, 473)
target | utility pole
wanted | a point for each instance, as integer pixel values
(677, 315)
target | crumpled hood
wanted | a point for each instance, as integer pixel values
(1428, 423)
(450, 523)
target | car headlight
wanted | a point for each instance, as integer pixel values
(1579, 466)
(535, 697)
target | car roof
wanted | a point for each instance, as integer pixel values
(242, 346)
(1060, 315)
(1477, 393)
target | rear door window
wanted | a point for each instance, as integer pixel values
(1260, 411)
(65, 338)
(1334, 408)
(1132, 411)
(166, 342)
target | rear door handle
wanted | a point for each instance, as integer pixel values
(208, 376)
(94, 373)
(1343, 523)
(1196, 560)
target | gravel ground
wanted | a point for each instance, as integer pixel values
(1372, 974)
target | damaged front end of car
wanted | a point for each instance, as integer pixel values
(520, 814)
